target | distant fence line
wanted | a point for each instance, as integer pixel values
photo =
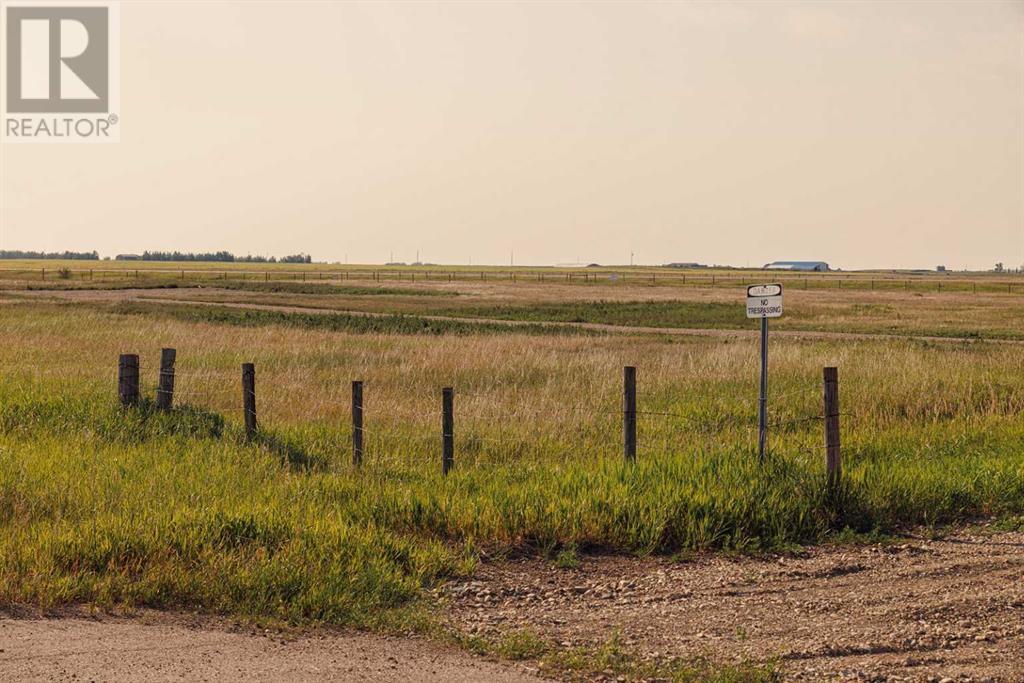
(129, 395)
(921, 283)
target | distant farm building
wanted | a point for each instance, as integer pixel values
(805, 266)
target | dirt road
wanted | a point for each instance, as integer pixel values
(163, 647)
(176, 297)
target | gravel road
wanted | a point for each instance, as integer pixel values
(917, 610)
(154, 646)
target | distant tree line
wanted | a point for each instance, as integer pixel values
(69, 255)
(220, 256)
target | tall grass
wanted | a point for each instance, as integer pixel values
(103, 505)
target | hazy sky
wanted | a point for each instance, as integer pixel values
(867, 134)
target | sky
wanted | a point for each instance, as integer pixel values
(865, 134)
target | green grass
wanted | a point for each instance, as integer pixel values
(334, 322)
(178, 510)
(613, 657)
(630, 313)
(327, 288)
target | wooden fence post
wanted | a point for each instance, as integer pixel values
(165, 384)
(357, 423)
(249, 398)
(447, 429)
(629, 413)
(833, 462)
(128, 379)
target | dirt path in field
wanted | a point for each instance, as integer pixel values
(918, 611)
(172, 296)
(162, 647)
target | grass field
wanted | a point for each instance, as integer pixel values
(107, 506)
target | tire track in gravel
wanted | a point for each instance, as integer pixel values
(921, 610)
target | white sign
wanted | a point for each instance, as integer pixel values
(764, 301)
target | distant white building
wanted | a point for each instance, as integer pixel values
(805, 266)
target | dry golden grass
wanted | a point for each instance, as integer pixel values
(983, 315)
(103, 505)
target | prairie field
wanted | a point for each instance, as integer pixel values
(113, 506)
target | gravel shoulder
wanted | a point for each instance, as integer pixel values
(920, 610)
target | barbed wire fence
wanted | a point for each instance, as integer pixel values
(494, 428)
(1001, 282)
(469, 428)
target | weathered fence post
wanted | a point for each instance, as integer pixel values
(629, 413)
(165, 384)
(357, 423)
(833, 462)
(249, 398)
(128, 379)
(447, 429)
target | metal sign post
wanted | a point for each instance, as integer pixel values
(763, 301)
(762, 401)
